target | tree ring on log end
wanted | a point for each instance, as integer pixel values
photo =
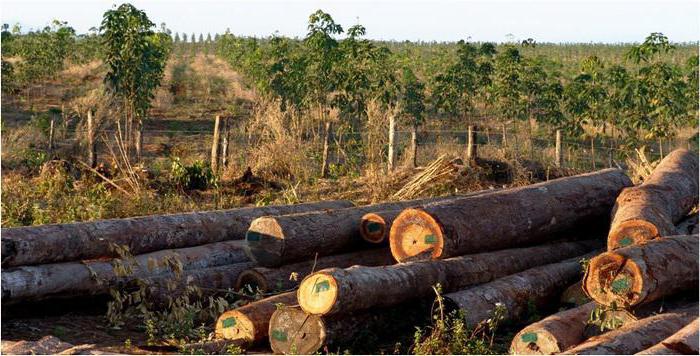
(294, 332)
(415, 234)
(234, 325)
(373, 228)
(535, 342)
(252, 279)
(614, 279)
(318, 293)
(631, 232)
(265, 241)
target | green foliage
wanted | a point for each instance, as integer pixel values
(198, 175)
(412, 97)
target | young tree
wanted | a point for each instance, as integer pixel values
(412, 100)
(135, 56)
(506, 85)
(586, 98)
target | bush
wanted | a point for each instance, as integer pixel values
(197, 176)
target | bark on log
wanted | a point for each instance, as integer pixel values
(574, 295)
(637, 336)
(684, 342)
(88, 240)
(27, 283)
(292, 331)
(278, 240)
(250, 323)
(512, 217)
(374, 227)
(335, 290)
(267, 280)
(537, 286)
(650, 210)
(553, 334)
(639, 274)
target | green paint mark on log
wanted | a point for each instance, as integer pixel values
(374, 227)
(626, 241)
(529, 337)
(252, 236)
(620, 285)
(228, 323)
(321, 287)
(279, 335)
(430, 239)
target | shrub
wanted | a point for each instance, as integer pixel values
(197, 176)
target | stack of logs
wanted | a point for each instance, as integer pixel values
(330, 270)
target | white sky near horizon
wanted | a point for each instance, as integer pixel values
(611, 21)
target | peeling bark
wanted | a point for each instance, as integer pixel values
(640, 274)
(684, 342)
(651, 210)
(250, 323)
(507, 218)
(88, 240)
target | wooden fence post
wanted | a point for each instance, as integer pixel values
(414, 145)
(51, 134)
(138, 138)
(326, 139)
(392, 138)
(215, 146)
(593, 151)
(224, 144)
(92, 154)
(557, 150)
(471, 144)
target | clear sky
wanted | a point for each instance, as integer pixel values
(495, 20)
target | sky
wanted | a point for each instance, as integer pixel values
(612, 21)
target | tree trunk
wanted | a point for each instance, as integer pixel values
(92, 152)
(471, 152)
(250, 323)
(138, 140)
(96, 277)
(557, 150)
(414, 145)
(51, 136)
(537, 287)
(224, 144)
(374, 227)
(574, 295)
(553, 334)
(511, 217)
(284, 239)
(684, 342)
(88, 240)
(392, 137)
(326, 139)
(335, 290)
(216, 141)
(637, 336)
(650, 210)
(266, 280)
(640, 274)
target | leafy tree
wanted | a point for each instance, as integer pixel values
(177, 38)
(412, 101)
(455, 89)
(506, 85)
(135, 56)
(586, 97)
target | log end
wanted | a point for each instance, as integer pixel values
(265, 241)
(373, 228)
(533, 341)
(612, 279)
(294, 332)
(318, 293)
(415, 235)
(631, 232)
(234, 325)
(252, 279)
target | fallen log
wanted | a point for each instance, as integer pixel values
(536, 287)
(574, 295)
(288, 277)
(684, 342)
(639, 274)
(250, 323)
(689, 225)
(375, 226)
(278, 240)
(67, 279)
(31, 245)
(651, 210)
(511, 217)
(335, 290)
(292, 331)
(637, 336)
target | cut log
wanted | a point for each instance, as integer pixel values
(684, 342)
(512, 217)
(47, 345)
(518, 292)
(639, 274)
(67, 279)
(335, 290)
(374, 227)
(95, 239)
(278, 240)
(250, 323)
(292, 331)
(637, 336)
(650, 210)
(553, 334)
(689, 225)
(574, 295)
(288, 277)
